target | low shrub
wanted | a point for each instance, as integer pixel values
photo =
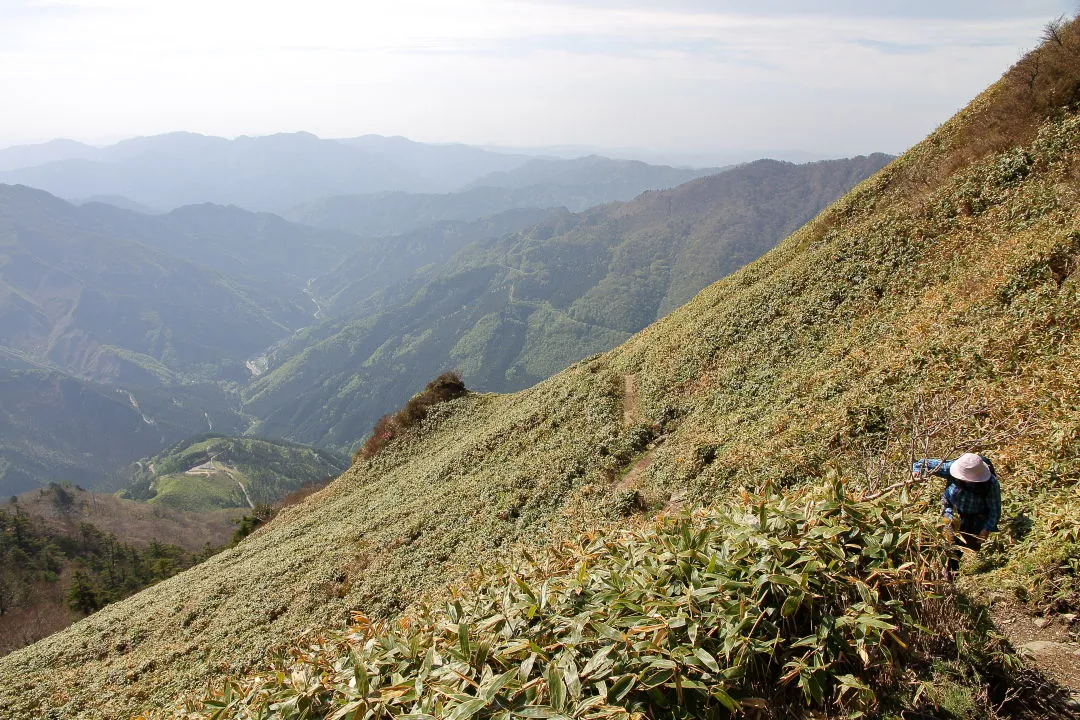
(783, 608)
(447, 386)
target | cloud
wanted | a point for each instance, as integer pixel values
(885, 9)
(840, 76)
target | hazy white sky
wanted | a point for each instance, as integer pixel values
(836, 77)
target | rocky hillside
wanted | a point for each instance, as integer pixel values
(933, 309)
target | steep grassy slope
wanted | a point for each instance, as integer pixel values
(933, 309)
(511, 311)
(763, 609)
(212, 472)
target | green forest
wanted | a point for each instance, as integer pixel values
(82, 570)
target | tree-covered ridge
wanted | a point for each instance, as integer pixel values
(210, 472)
(508, 312)
(356, 283)
(54, 427)
(58, 567)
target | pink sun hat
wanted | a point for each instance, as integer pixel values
(969, 467)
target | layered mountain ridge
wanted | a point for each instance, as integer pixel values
(509, 309)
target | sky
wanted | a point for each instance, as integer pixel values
(833, 77)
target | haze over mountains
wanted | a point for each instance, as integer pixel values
(574, 184)
(277, 172)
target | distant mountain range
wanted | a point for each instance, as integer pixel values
(572, 184)
(123, 332)
(274, 172)
(687, 157)
(279, 172)
(111, 295)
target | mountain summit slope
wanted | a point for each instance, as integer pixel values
(933, 308)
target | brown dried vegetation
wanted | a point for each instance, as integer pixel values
(447, 386)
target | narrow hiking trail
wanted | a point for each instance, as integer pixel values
(631, 412)
(632, 415)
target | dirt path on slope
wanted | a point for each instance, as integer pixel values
(632, 415)
(631, 411)
(1046, 642)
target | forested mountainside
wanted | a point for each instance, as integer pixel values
(57, 428)
(510, 311)
(355, 285)
(395, 213)
(83, 290)
(259, 248)
(119, 332)
(212, 472)
(66, 552)
(540, 183)
(934, 308)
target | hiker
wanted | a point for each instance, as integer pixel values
(973, 493)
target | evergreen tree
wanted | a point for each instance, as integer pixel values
(82, 597)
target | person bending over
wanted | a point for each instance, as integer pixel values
(971, 503)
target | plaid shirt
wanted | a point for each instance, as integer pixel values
(958, 499)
